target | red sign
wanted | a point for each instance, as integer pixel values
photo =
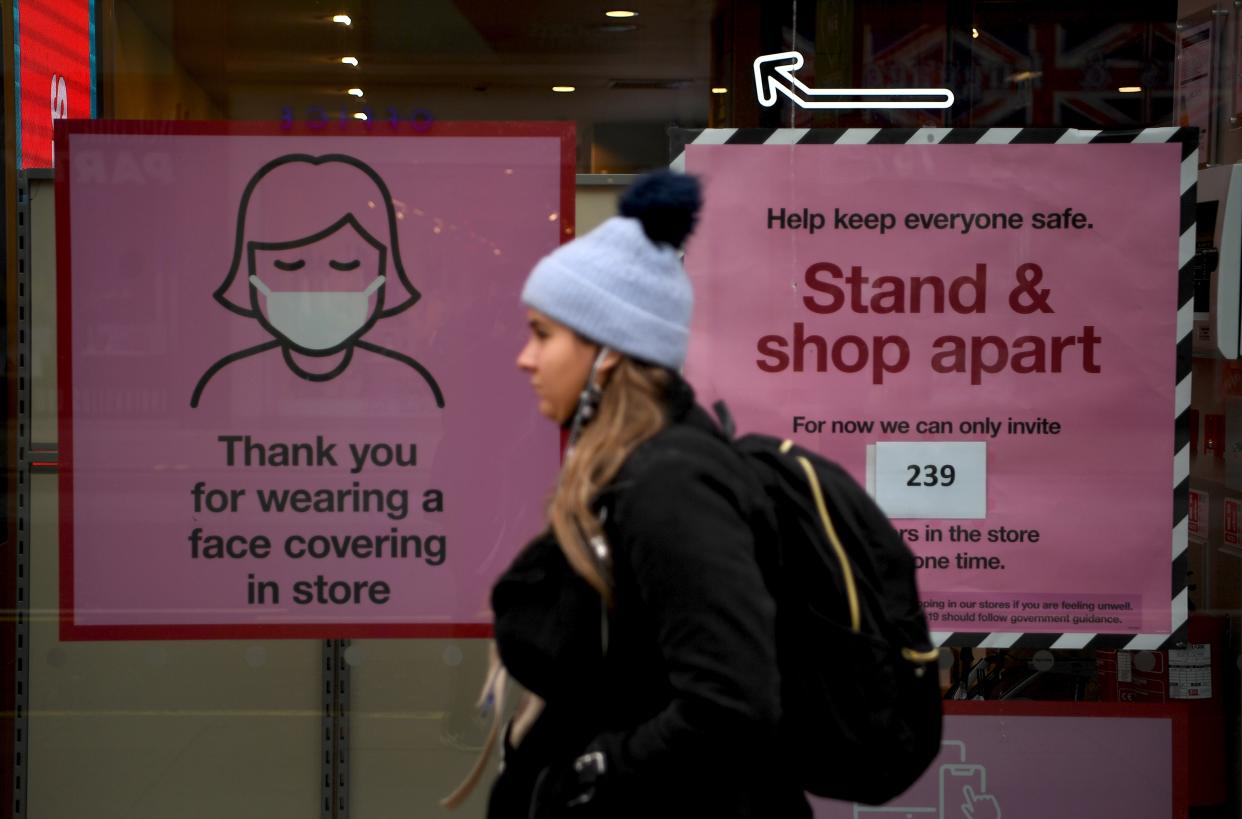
(1231, 521)
(54, 72)
(1198, 515)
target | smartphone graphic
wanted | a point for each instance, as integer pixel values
(954, 777)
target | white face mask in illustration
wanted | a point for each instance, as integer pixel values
(317, 321)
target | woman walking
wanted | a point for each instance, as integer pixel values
(639, 621)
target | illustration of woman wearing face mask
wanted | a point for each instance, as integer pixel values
(316, 262)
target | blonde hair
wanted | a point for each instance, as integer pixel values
(631, 410)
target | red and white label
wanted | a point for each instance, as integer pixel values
(1198, 515)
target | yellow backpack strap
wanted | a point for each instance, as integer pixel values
(817, 492)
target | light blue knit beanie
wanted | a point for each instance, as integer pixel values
(622, 285)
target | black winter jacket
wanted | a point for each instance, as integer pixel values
(684, 703)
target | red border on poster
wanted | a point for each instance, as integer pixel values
(69, 630)
(1176, 713)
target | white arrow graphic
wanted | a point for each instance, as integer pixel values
(769, 82)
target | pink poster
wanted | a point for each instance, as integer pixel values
(984, 335)
(289, 402)
(1046, 759)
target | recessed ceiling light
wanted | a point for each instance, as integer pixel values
(563, 89)
(621, 13)
(974, 32)
(350, 61)
(343, 19)
(354, 92)
(720, 90)
(360, 116)
(1130, 89)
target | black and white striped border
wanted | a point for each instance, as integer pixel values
(1189, 140)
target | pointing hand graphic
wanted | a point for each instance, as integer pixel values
(979, 805)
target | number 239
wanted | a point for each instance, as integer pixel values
(931, 475)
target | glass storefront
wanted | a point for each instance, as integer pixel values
(248, 553)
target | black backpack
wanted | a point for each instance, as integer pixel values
(860, 686)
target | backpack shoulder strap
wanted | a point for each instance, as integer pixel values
(821, 506)
(725, 419)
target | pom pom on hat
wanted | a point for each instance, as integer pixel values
(666, 203)
(622, 285)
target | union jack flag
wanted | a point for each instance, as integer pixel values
(1040, 74)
